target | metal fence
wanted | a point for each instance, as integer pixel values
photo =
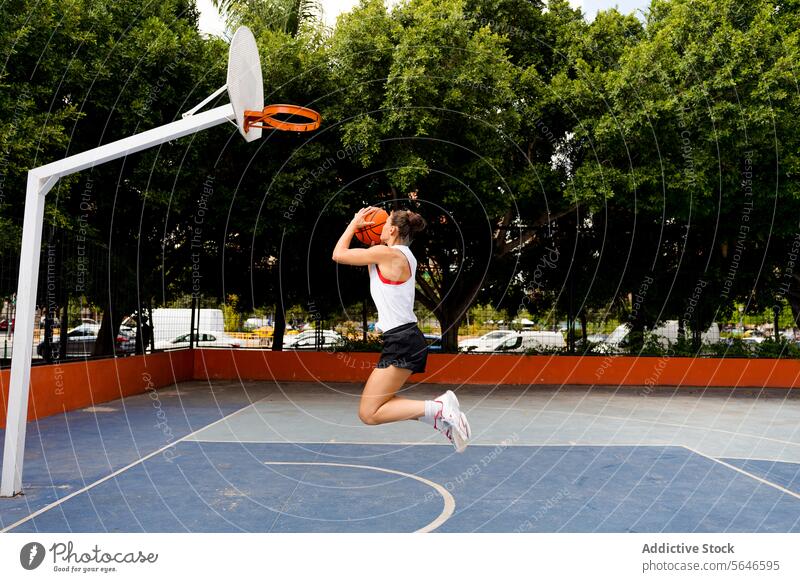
(209, 323)
(76, 276)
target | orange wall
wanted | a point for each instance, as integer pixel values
(58, 388)
(504, 369)
(61, 387)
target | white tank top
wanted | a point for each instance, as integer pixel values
(395, 301)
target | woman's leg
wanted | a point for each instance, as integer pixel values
(379, 404)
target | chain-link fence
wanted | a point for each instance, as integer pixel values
(219, 324)
(743, 334)
(79, 279)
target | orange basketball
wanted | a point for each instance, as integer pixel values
(372, 232)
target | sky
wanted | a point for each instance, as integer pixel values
(211, 22)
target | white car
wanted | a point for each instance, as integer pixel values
(256, 322)
(202, 339)
(486, 343)
(306, 340)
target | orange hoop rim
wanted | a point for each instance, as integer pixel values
(265, 119)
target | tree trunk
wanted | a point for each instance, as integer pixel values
(279, 328)
(697, 331)
(450, 311)
(793, 296)
(106, 336)
(451, 315)
(636, 335)
(449, 322)
(583, 326)
(364, 319)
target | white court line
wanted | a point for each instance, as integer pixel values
(743, 472)
(118, 471)
(449, 501)
(758, 459)
(500, 444)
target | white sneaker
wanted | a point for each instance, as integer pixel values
(456, 428)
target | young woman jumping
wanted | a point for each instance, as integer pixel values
(392, 269)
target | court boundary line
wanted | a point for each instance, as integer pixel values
(759, 459)
(433, 484)
(121, 470)
(405, 443)
(743, 472)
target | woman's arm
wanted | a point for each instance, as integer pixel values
(342, 253)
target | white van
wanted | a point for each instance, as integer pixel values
(256, 322)
(170, 323)
(533, 340)
(514, 342)
(665, 333)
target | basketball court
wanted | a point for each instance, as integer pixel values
(276, 456)
(228, 456)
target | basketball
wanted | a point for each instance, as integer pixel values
(372, 233)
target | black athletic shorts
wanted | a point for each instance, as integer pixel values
(404, 346)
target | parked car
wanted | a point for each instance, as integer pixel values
(56, 321)
(81, 340)
(434, 342)
(306, 340)
(665, 333)
(532, 340)
(202, 339)
(752, 341)
(486, 343)
(614, 341)
(753, 336)
(6, 325)
(126, 340)
(538, 340)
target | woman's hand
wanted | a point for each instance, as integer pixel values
(342, 253)
(358, 218)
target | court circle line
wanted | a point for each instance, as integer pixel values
(449, 501)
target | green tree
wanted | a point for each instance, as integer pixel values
(89, 73)
(436, 124)
(287, 16)
(682, 139)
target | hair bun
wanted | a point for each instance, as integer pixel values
(416, 222)
(408, 223)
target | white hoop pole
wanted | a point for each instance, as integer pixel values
(40, 181)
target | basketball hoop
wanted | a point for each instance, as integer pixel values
(266, 119)
(245, 89)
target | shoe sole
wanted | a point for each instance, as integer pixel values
(461, 429)
(461, 433)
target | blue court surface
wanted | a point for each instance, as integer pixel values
(293, 457)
